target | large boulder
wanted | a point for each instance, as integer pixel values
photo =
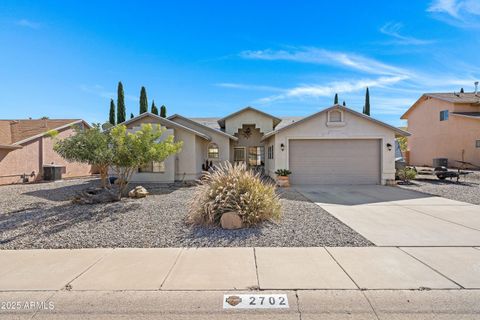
(138, 192)
(231, 221)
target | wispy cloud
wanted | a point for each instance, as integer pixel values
(392, 29)
(28, 24)
(100, 91)
(325, 57)
(247, 86)
(329, 89)
(460, 13)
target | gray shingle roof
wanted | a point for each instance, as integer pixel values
(213, 122)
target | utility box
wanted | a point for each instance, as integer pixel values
(52, 172)
(440, 162)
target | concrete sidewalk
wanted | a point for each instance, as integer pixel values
(175, 283)
(208, 269)
(203, 305)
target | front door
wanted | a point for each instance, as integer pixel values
(239, 155)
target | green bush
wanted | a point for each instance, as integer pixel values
(233, 188)
(283, 172)
(406, 174)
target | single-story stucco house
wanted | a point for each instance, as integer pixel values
(26, 148)
(334, 146)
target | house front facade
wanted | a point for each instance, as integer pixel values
(444, 125)
(334, 146)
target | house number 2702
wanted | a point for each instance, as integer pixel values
(255, 301)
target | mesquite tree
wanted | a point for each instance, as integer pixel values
(89, 145)
(132, 150)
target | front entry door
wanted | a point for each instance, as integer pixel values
(239, 155)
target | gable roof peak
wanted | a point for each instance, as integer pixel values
(221, 121)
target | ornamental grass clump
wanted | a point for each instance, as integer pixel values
(233, 188)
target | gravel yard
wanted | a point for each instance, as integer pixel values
(466, 190)
(42, 216)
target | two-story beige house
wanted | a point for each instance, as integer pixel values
(334, 146)
(444, 125)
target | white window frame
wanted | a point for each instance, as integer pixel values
(213, 145)
(153, 167)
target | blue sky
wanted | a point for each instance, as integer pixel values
(63, 59)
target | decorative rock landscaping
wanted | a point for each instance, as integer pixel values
(43, 216)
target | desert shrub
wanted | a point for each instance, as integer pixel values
(406, 174)
(233, 188)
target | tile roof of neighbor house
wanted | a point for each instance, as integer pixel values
(456, 97)
(452, 97)
(16, 131)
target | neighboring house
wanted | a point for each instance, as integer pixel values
(334, 146)
(25, 148)
(444, 125)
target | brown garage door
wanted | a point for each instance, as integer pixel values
(339, 161)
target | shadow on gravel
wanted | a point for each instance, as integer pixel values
(50, 220)
(447, 182)
(62, 193)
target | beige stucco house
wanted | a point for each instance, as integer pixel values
(444, 125)
(334, 146)
(25, 148)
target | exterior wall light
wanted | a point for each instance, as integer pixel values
(389, 146)
(282, 146)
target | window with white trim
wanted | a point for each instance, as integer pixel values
(477, 144)
(270, 152)
(213, 152)
(153, 166)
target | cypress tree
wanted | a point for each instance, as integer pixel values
(154, 108)
(143, 101)
(120, 104)
(344, 104)
(461, 90)
(366, 107)
(163, 111)
(111, 117)
(335, 100)
(132, 116)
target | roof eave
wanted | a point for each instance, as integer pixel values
(57, 128)
(204, 126)
(170, 122)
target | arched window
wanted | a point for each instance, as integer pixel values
(213, 151)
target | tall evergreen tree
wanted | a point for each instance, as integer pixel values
(120, 104)
(132, 116)
(366, 107)
(344, 104)
(143, 101)
(462, 91)
(111, 117)
(335, 100)
(154, 108)
(163, 111)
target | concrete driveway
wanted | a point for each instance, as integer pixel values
(390, 216)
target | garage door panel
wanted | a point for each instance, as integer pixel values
(342, 161)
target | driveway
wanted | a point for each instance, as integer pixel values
(390, 216)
